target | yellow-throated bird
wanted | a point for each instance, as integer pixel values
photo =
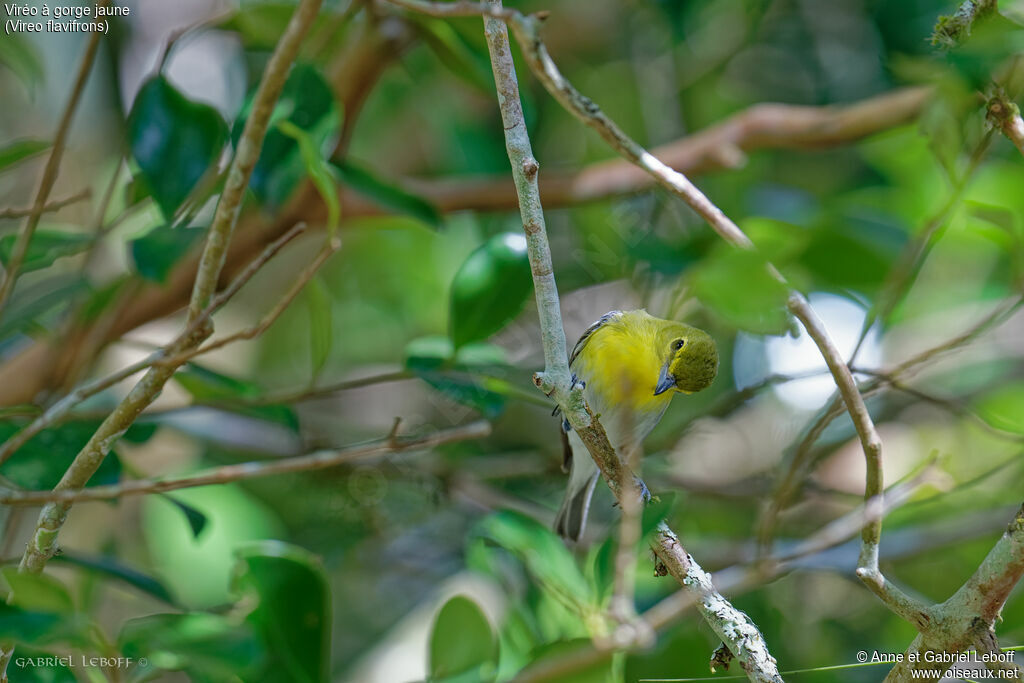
(629, 364)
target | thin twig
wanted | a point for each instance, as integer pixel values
(55, 205)
(251, 470)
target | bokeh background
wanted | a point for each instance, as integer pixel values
(916, 228)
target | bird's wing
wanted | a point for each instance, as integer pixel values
(598, 324)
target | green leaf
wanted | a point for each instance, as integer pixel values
(320, 173)
(20, 56)
(208, 647)
(38, 628)
(462, 641)
(260, 24)
(321, 308)
(387, 194)
(655, 512)
(228, 393)
(37, 592)
(456, 375)
(46, 247)
(455, 53)
(544, 555)
(292, 611)
(490, 288)
(600, 671)
(42, 461)
(196, 519)
(307, 102)
(174, 140)
(735, 284)
(14, 152)
(156, 253)
(34, 302)
(114, 569)
(1003, 408)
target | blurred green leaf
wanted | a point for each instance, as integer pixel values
(598, 672)
(735, 284)
(292, 611)
(208, 647)
(387, 194)
(259, 25)
(544, 555)
(20, 150)
(655, 512)
(108, 566)
(46, 247)
(455, 53)
(1004, 407)
(490, 288)
(157, 252)
(321, 308)
(208, 386)
(308, 103)
(320, 173)
(42, 461)
(34, 302)
(19, 55)
(38, 628)
(174, 140)
(458, 375)
(196, 519)
(462, 642)
(37, 592)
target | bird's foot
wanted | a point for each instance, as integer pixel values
(641, 488)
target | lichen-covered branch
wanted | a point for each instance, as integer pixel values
(733, 626)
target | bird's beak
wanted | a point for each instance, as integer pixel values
(665, 381)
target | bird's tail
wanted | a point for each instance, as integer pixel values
(572, 515)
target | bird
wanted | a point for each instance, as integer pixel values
(629, 365)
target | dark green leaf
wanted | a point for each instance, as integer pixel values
(41, 462)
(174, 140)
(387, 194)
(19, 150)
(228, 393)
(37, 592)
(196, 519)
(292, 611)
(19, 55)
(462, 641)
(112, 568)
(458, 376)
(46, 247)
(656, 511)
(38, 628)
(208, 647)
(490, 288)
(428, 353)
(156, 253)
(306, 101)
(735, 284)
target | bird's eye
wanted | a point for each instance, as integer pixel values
(678, 344)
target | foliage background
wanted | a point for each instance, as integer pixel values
(378, 546)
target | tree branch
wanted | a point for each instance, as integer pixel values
(49, 207)
(250, 470)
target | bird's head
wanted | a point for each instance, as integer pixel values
(691, 359)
